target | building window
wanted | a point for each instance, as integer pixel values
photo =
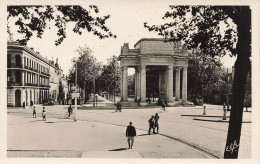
(18, 61)
(8, 60)
(24, 61)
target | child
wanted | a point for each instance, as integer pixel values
(44, 114)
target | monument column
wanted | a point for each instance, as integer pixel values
(125, 93)
(177, 84)
(143, 86)
(138, 84)
(184, 84)
(170, 86)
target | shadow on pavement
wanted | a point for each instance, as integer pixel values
(120, 149)
(36, 121)
(146, 134)
(49, 122)
(202, 116)
(224, 121)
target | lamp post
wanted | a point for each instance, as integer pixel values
(75, 116)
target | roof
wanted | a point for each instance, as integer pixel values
(149, 39)
(32, 52)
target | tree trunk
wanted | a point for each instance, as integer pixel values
(242, 67)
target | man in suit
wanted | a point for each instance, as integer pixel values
(130, 134)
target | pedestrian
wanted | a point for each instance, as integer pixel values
(43, 114)
(130, 134)
(24, 105)
(163, 106)
(34, 112)
(151, 124)
(149, 100)
(118, 106)
(70, 110)
(247, 105)
(31, 103)
(156, 124)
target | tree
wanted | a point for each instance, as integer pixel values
(31, 19)
(204, 73)
(131, 85)
(61, 92)
(109, 80)
(201, 27)
(87, 70)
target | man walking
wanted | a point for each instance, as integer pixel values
(156, 124)
(130, 134)
(43, 114)
(151, 124)
(70, 110)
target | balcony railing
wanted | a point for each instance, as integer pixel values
(46, 86)
(12, 65)
(13, 83)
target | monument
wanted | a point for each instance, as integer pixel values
(170, 59)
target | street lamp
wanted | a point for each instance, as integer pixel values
(75, 116)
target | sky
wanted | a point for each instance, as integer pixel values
(126, 22)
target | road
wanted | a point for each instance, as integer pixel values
(184, 133)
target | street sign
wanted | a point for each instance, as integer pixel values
(75, 95)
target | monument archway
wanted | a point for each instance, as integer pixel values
(171, 61)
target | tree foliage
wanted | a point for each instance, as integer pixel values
(109, 80)
(131, 85)
(204, 73)
(87, 69)
(30, 19)
(201, 27)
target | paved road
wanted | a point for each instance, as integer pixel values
(100, 133)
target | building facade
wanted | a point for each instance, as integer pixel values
(169, 58)
(30, 77)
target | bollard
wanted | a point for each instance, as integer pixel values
(225, 111)
(204, 111)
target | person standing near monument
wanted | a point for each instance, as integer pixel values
(130, 134)
(31, 103)
(151, 124)
(24, 105)
(43, 114)
(34, 112)
(156, 124)
(118, 106)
